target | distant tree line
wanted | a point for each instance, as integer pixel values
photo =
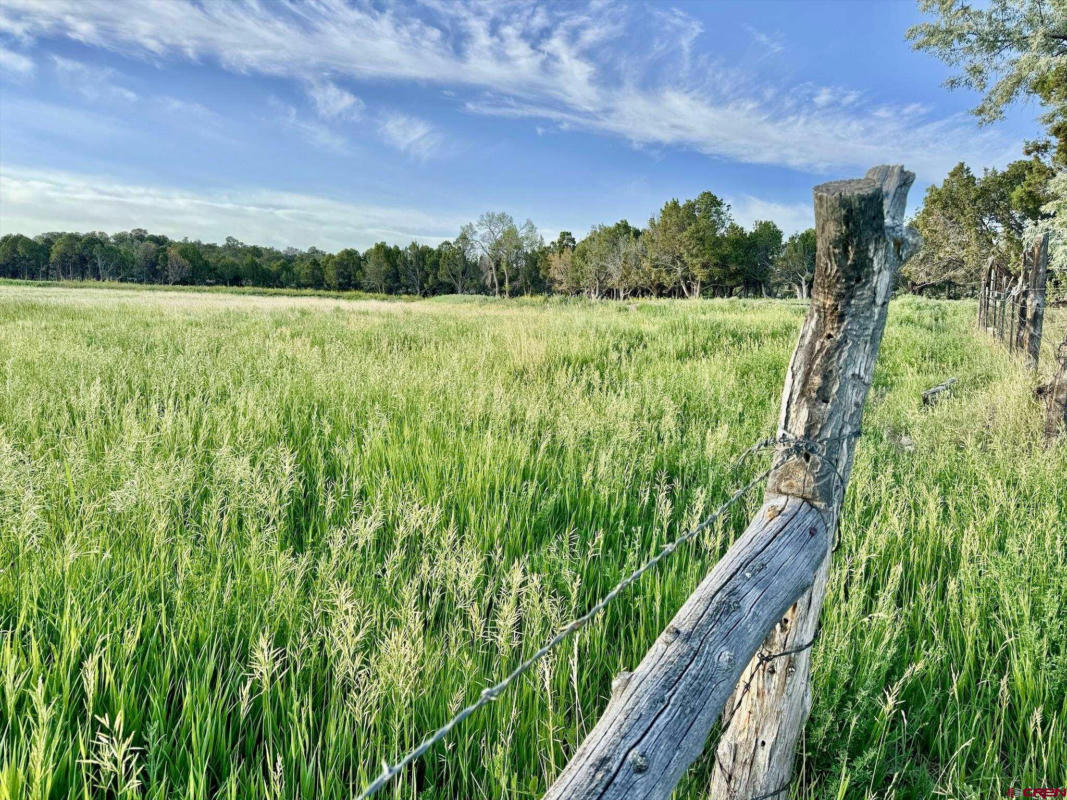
(691, 248)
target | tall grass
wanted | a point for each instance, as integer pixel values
(251, 551)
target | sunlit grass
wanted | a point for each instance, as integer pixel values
(252, 550)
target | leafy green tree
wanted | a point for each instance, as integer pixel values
(22, 257)
(455, 269)
(967, 219)
(177, 268)
(1005, 49)
(565, 241)
(739, 256)
(669, 250)
(765, 245)
(794, 267)
(65, 257)
(308, 270)
(380, 268)
(708, 220)
(608, 260)
(343, 270)
(110, 263)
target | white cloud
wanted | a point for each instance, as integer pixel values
(410, 135)
(12, 63)
(577, 66)
(92, 82)
(333, 102)
(318, 134)
(790, 217)
(773, 43)
(34, 201)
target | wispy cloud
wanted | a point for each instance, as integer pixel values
(333, 102)
(92, 82)
(12, 63)
(312, 131)
(34, 201)
(410, 135)
(773, 43)
(575, 66)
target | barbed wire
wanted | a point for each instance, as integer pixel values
(790, 445)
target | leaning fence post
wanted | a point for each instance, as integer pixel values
(659, 716)
(1036, 307)
(765, 716)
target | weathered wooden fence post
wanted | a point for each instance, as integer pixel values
(764, 718)
(1056, 417)
(1035, 321)
(658, 719)
(983, 295)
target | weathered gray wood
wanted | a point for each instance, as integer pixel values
(826, 389)
(933, 395)
(1036, 307)
(983, 295)
(659, 716)
(1022, 304)
(1056, 416)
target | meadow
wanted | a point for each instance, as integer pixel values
(251, 546)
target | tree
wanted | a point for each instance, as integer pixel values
(766, 244)
(455, 269)
(65, 257)
(417, 268)
(795, 265)
(22, 257)
(1008, 49)
(307, 268)
(487, 236)
(379, 268)
(562, 273)
(528, 261)
(343, 270)
(177, 266)
(1005, 49)
(967, 219)
(609, 259)
(708, 219)
(111, 263)
(739, 257)
(669, 251)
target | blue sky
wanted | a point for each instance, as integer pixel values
(339, 123)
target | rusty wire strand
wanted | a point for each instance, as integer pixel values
(788, 445)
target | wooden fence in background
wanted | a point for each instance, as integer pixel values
(1012, 307)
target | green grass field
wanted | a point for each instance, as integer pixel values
(252, 546)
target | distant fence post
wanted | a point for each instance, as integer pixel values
(658, 719)
(1022, 303)
(1017, 316)
(1036, 308)
(984, 295)
(1056, 417)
